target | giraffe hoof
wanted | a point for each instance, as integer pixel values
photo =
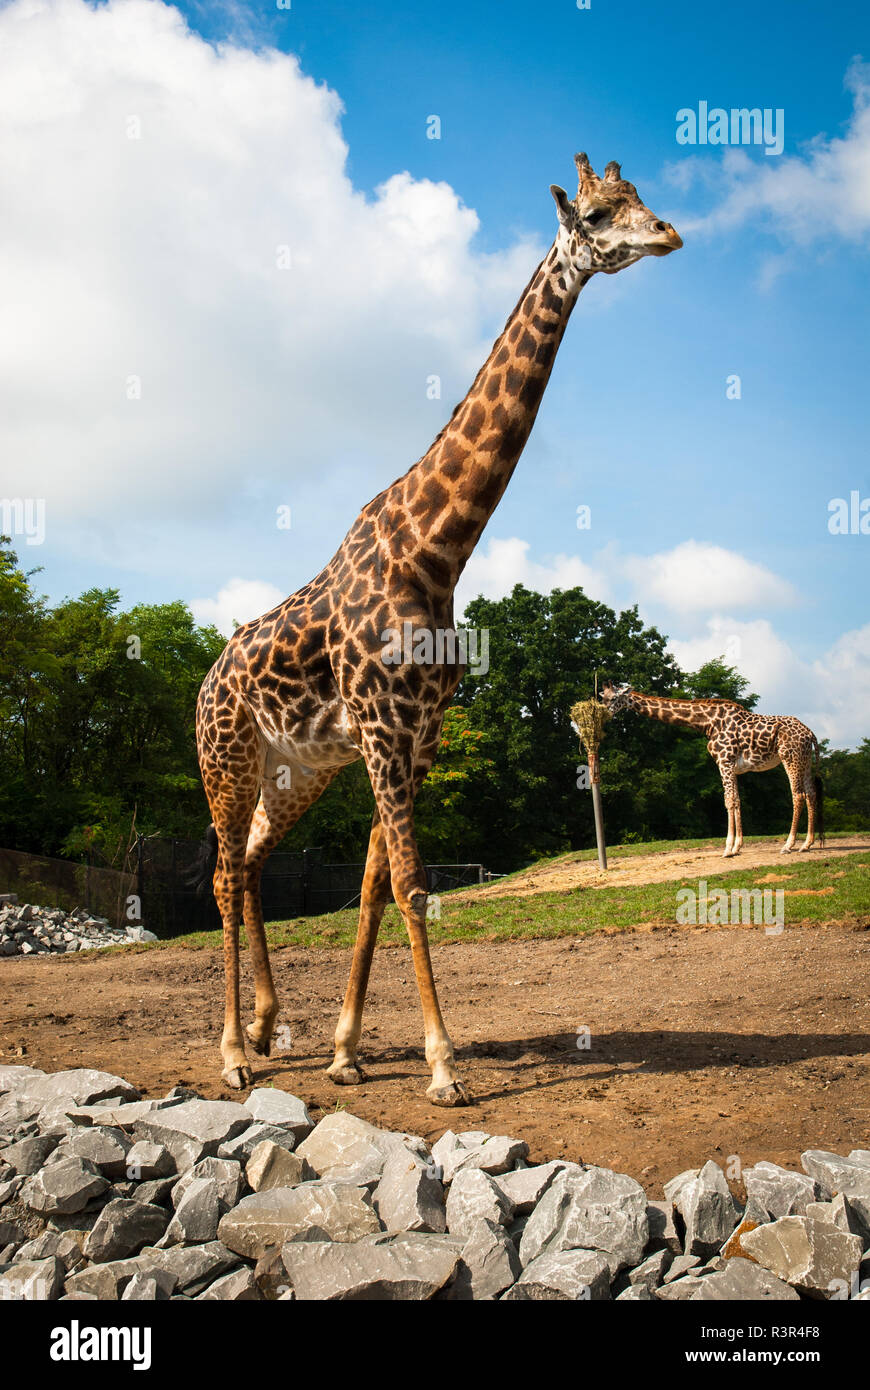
(454, 1094)
(346, 1076)
(238, 1077)
(261, 1045)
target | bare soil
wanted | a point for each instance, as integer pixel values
(703, 1043)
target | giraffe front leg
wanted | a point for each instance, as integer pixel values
(345, 1069)
(738, 822)
(394, 786)
(729, 792)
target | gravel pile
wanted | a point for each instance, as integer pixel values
(28, 929)
(104, 1195)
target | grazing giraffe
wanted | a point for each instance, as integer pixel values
(308, 688)
(741, 742)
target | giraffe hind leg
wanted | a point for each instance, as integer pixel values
(285, 796)
(798, 796)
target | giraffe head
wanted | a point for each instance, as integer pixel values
(615, 697)
(607, 227)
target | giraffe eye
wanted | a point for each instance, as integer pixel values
(592, 219)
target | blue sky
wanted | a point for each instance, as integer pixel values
(156, 249)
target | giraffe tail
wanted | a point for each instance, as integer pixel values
(820, 793)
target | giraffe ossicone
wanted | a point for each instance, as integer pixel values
(740, 741)
(304, 687)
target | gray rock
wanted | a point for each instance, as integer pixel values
(194, 1129)
(272, 1166)
(155, 1287)
(10, 1189)
(708, 1210)
(224, 1173)
(104, 1146)
(488, 1266)
(57, 1092)
(270, 1275)
(329, 1211)
(563, 1275)
(11, 1233)
(270, 1106)
(651, 1272)
(779, 1191)
(32, 1279)
(18, 1078)
(104, 1281)
(636, 1293)
(680, 1289)
(64, 1187)
(158, 1192)
(147, 1161)
(526, 1186)
(122, 1228)
(836, 1213)
(407, 1267)
(741, 1279)
(473, 1197)
(592, 1210)
(663, 1233)
(197, 1214)
(835, 1174)
(236, 1287)
(192, 1267)
(813, 1256)
(124, 1116)
(494, 1154)
(344, 1146)
(53, 1244)
(408, 1197)
(241, 1148)
(680, 1266)
(28, 1155)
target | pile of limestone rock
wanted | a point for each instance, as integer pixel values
(27, 929)
(104, 1195)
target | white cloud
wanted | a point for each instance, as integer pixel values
(504, 563)
(237, 601)
(697, 577)
(676, 588)
(804, 198)
(157, 258)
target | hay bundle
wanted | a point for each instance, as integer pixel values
(590, 717)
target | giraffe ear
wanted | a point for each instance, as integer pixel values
(563, 204)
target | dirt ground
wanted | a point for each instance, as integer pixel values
(657, 868)
(704, 1043)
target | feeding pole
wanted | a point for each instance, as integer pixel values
(589, 717)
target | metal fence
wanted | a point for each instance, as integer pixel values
(175, 884)
(172, 881)
(63, 883)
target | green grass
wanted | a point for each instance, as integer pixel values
(581, 911)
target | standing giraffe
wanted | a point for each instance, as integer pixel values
(741, 742)
(306, 689)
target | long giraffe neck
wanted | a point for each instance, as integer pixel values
(447, 498)
(693, 714)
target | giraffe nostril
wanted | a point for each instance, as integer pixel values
(661, 227)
